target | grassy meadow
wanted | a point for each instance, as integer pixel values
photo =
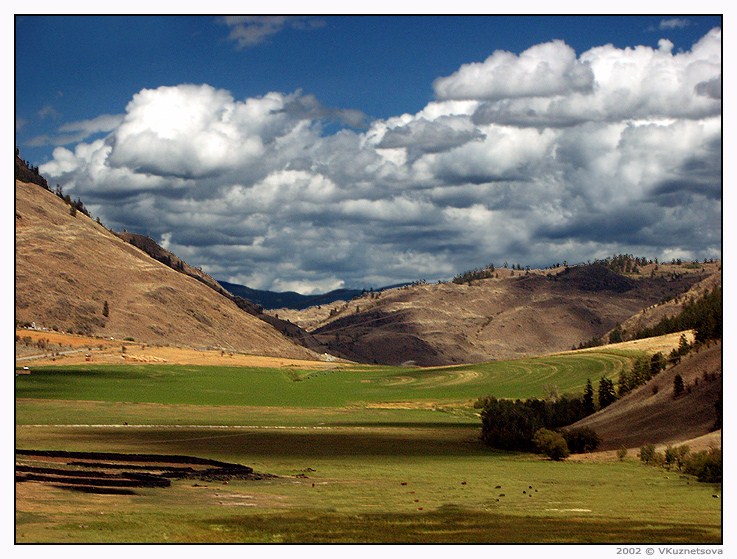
(362, 454)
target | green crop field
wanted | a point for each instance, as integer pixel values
(218, 386)
(361, 454)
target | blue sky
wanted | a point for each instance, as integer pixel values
(321, 152)
(381, 65)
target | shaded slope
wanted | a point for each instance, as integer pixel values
(67, 267)
(652, 315)
(647, 416)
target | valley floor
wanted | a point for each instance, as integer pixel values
(355, 455)
(420, 484)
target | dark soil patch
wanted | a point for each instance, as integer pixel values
(98, 472)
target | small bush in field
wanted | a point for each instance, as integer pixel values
(622, 452)
(551, 443)
(706, 465)
(648, 455)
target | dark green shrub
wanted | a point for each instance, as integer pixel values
(678, 386)
(583, 439)
(675, 456)
(622, 452)
(648, 454)
(706, 465)
(551, 443)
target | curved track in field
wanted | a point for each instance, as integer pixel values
(275, 388)
(522, 378)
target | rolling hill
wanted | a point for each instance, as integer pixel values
(507, 316)
(69, 269)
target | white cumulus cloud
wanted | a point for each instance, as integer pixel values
(540, 71)
(536, 157)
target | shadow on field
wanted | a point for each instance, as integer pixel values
(272, 442)
(410, 424)
(452, 524)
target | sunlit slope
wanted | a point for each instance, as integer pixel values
(67, 267)
(510, 316)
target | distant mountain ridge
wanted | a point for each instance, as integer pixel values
(291, 300)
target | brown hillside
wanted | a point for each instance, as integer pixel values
(653, 314)
(645, 416)
(292, 331)
(67, 266)
(507, 317)
(152, 248)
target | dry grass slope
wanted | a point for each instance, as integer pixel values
(511, 316)
(68, 266)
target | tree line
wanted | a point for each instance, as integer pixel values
(704, 315)
(705, 465)
(536, 424)
(26, 172)
(516, 424)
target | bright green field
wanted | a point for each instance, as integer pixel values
(350, 470)
(233, 386)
